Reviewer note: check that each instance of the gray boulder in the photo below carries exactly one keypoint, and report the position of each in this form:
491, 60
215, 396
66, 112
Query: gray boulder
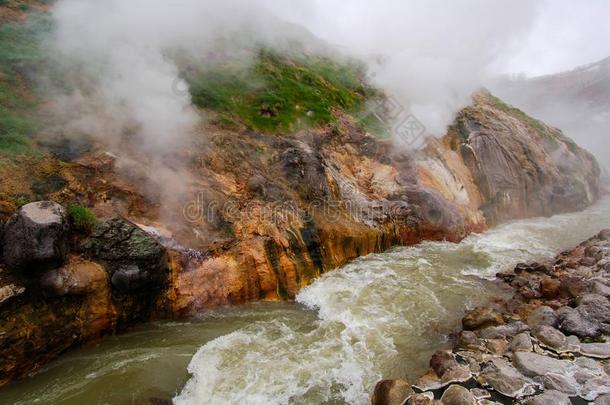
573, 322
603, 400
534, 365
35, 236
595, 307
499, 374
542, 316
550, 336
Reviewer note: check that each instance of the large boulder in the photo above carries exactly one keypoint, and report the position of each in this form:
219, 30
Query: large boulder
133, 258
36, 236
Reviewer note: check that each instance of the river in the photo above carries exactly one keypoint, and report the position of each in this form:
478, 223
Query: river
381, 315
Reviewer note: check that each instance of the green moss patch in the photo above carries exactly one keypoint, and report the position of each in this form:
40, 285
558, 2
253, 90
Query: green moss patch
20, 56
81, 218
280, 93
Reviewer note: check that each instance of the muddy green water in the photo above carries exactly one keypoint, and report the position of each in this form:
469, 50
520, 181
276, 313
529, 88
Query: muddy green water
381, 315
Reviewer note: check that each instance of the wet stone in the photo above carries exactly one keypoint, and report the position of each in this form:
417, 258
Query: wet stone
441, 361
543, 315
572, 322
424, 398
559, 382
502, 331
550, 336
533, 364
596, 350
480, 393
505, 379
521, 342
391, 392
497, 346
468, 339
549, 398
481, 318
458, 395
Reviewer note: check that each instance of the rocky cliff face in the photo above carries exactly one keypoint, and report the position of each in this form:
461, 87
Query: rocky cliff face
263, 215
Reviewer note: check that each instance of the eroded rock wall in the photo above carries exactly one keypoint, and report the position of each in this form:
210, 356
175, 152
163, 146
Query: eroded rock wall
261, 216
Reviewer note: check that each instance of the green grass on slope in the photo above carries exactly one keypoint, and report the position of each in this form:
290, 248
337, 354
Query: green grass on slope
279, 93
520, 115
20, 57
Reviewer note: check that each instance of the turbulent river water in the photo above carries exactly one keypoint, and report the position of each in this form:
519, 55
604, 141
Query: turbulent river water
381, 315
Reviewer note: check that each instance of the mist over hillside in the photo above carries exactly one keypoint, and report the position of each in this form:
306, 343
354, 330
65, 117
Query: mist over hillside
577, 101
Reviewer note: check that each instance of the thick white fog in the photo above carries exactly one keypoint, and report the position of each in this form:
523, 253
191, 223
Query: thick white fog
430, 55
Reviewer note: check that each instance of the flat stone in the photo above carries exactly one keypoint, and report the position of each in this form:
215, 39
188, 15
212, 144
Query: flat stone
502, 331
604, 234
558, 382
595, 350
504, 378
480, 393
456, 375
533, 364
549, 398
10, 291
543, 315
497, 346
550, 336
424, 398
602, 400
458, 395
521, 343
391, 392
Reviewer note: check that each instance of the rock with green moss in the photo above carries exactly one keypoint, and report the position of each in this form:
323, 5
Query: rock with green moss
133, 258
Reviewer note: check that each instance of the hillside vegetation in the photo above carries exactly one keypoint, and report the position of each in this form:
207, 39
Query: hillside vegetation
280, 93
20, 58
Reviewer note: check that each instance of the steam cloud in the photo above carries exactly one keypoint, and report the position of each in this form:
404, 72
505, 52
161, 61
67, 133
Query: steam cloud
431, 55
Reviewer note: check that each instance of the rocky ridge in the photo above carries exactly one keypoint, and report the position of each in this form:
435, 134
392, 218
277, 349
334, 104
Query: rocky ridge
546, 345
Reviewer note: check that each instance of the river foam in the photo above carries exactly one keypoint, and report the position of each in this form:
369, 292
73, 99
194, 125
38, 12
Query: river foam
381, 315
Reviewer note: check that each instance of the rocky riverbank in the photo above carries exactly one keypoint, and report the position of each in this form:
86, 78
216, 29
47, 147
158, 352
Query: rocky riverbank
547, 345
